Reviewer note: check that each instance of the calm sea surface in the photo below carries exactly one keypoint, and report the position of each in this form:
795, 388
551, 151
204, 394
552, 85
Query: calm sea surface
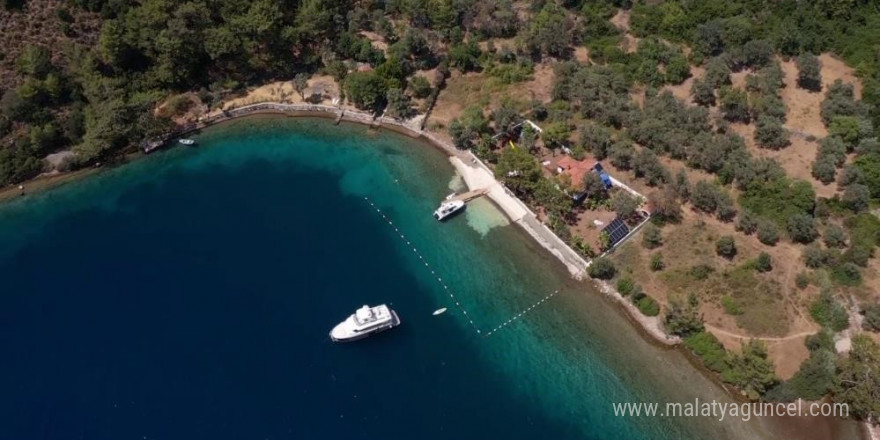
189, 296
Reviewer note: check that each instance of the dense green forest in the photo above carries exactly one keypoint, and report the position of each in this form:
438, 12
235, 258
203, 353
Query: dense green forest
99, 99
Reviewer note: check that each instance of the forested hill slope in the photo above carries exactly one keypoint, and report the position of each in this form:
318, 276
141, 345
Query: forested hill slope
84, 74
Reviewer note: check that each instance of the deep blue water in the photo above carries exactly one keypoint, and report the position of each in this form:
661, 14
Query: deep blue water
189, 296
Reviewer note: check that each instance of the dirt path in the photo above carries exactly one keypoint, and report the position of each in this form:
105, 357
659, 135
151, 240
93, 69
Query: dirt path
738, 336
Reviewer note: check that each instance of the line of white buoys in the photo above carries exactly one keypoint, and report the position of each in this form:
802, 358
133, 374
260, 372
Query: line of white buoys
419, 254
520, 314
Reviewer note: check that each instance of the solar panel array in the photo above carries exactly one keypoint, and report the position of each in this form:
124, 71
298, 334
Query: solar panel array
616, 230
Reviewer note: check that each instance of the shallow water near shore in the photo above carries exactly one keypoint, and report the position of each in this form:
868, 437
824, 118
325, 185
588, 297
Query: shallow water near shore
189, 295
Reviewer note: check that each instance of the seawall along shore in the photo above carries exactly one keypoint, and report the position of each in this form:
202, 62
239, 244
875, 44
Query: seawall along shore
476, 175
474, 172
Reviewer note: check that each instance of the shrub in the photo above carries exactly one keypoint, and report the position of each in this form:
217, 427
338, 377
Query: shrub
624, 204
764, 263
707, 347
768, 233
596, 139
621, 154
726, 247
625, 285
816, 375
665, 204
651, 237
717, 72
602, 268
735, 105
802, 280
847, 274
769, 133
750, 370
809, 72
828, 312
701, 271
705, 196
726, 211
684, 319
746, 223
834, 236
420, 87
648, 306
814, 257
824, 169
802, 228
731, 306
872, 317
857, 197
657, 263
703, 93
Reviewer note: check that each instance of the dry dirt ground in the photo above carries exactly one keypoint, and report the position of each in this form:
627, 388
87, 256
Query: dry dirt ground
628, 43
376, 40
475, 88
283, 91
772, 306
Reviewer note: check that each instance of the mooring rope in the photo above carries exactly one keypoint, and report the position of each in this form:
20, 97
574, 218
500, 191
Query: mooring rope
446, 287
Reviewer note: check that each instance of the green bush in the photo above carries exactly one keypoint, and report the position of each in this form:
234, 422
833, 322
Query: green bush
648, 306
872, 317
657, 263
768, 233
814, 256
751, 370
834, 236
847, 274
816, 376
802, 280
701, 271
684, 319
828, 312
731, 306
651, 237
802, 228
602, 268
625, 285
420, 87
764, 263
707, 347
726, 247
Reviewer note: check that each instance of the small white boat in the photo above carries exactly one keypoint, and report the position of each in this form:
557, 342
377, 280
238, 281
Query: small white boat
187, 141
448, 208
439, 311
364, 322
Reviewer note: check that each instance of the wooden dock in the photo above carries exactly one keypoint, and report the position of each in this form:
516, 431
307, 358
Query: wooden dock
470, 195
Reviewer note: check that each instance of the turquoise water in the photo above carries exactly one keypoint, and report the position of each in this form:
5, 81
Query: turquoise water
189, 295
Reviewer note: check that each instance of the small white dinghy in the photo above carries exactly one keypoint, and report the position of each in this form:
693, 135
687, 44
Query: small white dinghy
439, 311
187, 141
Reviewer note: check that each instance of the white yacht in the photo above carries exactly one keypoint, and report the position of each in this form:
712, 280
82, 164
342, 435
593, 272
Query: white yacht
448, 208
364, 322
187, 141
